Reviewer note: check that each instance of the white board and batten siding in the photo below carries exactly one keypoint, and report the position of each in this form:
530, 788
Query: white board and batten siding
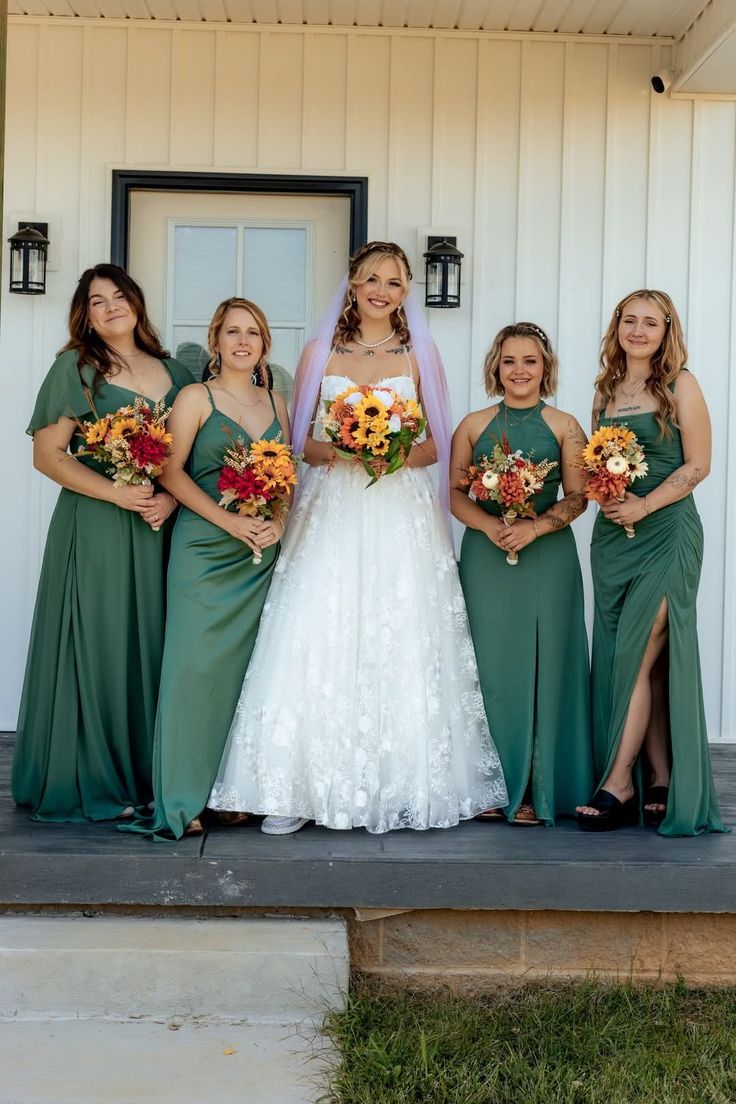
565, 180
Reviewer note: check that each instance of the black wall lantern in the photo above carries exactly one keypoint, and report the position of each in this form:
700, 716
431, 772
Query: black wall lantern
28, 249
443, 260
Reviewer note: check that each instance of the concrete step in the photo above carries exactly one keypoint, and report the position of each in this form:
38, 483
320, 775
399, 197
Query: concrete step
219, 970
83, 1062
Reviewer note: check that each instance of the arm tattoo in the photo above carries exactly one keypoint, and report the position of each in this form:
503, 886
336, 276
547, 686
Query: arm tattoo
679, 479
565, 511
575, 435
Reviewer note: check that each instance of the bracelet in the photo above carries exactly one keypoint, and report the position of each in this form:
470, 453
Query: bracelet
536, 528
646, 505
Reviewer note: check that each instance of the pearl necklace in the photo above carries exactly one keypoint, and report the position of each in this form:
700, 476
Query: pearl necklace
370, 347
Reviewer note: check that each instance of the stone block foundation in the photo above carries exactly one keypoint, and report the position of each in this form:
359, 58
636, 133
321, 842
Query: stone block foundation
471, 951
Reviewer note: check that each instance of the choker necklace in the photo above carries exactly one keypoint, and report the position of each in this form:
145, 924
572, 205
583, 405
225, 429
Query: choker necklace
369, 347
237, 400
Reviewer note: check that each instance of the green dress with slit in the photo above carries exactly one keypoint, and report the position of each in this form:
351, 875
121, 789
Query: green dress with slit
528, 628
85, 728
630, 579
215, 597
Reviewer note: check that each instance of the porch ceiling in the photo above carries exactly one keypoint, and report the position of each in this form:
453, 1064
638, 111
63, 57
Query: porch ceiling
657, 18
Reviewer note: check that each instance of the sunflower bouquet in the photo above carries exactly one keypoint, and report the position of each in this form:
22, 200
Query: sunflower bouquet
132, 443
509, 479
374, 426
612, 459
256, 479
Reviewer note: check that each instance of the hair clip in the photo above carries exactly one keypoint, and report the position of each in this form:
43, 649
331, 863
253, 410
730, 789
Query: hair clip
540, 333
667, 318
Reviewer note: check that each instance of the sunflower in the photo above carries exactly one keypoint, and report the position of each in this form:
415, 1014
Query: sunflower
604, 441
370, 408
158, 433
378, 445
268, 451
96, 432
123, 427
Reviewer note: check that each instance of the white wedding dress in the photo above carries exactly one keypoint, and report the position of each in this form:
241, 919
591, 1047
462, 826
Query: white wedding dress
361, 705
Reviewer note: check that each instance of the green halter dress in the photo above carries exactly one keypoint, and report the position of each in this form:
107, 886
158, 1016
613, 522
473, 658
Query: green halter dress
528, 629
630, 579
215, 598
85, 730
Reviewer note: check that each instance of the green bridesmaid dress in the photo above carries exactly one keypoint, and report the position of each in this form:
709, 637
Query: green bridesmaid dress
630, 580
215, 597
85, 729
528, 628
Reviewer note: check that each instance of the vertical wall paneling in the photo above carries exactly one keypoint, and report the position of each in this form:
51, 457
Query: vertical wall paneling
192, 97
709, 346
148, 129
410, 137
728, 459
367, 122
453, 198
237, 64
496, 204
627, 172
323, 103
280, 101
540, 182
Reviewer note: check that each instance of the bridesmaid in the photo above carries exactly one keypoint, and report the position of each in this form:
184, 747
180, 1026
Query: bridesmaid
85, 730
215, 591
651, 745
527, 621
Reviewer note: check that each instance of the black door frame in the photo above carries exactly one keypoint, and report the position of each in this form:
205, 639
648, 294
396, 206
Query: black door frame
124, 181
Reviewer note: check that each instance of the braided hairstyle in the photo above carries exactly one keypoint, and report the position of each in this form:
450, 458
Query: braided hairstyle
492, 362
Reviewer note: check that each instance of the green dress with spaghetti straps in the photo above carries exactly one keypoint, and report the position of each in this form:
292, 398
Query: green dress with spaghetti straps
215, 597
85, 729
528, 628
630, 579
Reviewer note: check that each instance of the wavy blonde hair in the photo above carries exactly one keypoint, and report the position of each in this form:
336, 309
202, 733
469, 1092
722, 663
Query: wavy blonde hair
362, 265
550, 363
666, 365
261, 375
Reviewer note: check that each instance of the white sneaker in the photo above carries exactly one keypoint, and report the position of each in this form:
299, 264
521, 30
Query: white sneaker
283, 825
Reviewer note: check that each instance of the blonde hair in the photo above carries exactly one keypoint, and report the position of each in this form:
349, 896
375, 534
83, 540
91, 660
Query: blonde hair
362, 265
550, 363
213, 333
666, 365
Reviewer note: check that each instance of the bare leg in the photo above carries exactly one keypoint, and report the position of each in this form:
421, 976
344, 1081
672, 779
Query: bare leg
656, 743
619, 781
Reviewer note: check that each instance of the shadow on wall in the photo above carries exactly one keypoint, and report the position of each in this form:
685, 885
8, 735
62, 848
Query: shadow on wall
196, 359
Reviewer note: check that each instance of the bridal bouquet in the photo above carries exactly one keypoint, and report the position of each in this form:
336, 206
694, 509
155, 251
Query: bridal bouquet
613, 459
132, 443
374, 426
256, 479
509, 479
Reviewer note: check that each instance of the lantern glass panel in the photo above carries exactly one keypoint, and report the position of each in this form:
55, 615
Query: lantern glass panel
36, 266
16, 266
434, 279
453, 280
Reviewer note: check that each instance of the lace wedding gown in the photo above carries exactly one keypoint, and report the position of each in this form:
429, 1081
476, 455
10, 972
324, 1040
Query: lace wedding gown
361, 705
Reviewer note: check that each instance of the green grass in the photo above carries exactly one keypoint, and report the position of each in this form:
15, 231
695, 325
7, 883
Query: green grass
589, 1044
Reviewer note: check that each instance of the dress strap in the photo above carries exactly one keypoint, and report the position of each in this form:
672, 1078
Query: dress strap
213, 404
273, 404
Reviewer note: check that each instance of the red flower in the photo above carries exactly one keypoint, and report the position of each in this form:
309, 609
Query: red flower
146, 452
602, 486
245, 484
511, 488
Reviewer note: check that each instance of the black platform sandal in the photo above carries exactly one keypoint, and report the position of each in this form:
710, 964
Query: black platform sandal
655, 795
612, 813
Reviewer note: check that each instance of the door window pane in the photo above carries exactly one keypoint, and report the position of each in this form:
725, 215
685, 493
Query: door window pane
205, 269
190, 347
274, 272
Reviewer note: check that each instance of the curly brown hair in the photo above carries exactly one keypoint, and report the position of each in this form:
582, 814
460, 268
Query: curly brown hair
666, 365
492, 362
88, 345
261, 373
362, 265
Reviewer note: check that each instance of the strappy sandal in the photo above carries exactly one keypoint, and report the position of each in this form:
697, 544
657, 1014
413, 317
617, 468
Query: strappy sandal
526, 815
194, 827
491, 814
612, 813
655, 795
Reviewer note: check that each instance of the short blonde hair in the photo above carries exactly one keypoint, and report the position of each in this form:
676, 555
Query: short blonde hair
550, 363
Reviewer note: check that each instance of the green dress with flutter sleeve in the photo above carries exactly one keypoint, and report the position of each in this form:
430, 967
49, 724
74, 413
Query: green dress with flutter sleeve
528, 628
631, 578
85, 727
215, 597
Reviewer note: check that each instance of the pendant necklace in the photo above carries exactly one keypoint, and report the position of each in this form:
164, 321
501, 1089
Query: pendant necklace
369, 348
246, 406
516, 419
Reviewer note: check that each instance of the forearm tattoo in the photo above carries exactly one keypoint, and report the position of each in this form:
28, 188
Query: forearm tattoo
575, 435
564, 512
680, 479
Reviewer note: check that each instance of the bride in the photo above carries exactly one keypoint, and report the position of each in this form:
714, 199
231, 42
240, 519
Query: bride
361, 705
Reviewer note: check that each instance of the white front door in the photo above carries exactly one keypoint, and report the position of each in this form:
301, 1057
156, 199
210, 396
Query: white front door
191, 250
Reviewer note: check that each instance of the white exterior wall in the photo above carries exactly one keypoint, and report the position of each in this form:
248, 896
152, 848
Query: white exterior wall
566, 181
